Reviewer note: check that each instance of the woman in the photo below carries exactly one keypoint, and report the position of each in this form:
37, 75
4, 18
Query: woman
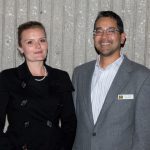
36, 98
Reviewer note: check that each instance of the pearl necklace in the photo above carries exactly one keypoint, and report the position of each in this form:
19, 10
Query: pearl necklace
45, 75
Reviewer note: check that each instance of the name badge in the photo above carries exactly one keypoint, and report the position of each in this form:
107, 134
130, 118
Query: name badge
125, 96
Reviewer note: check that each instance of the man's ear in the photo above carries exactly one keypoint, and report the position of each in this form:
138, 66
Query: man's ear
123, 39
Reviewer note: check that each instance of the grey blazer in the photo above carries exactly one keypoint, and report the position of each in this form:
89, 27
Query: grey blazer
124, 121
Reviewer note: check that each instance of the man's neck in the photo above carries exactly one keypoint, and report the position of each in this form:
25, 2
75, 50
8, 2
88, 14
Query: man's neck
107, 60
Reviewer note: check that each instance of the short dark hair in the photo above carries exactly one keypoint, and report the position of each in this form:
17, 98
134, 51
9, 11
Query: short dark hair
29, 25
112, 15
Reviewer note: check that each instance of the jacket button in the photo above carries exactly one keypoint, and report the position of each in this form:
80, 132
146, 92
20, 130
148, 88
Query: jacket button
94, 134
23, 84
24, 102
24, 147
26, 124
49, 123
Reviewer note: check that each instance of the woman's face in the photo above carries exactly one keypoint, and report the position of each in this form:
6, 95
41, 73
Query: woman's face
34, 44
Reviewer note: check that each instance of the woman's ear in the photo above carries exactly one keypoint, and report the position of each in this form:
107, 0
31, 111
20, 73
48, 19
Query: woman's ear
20, 50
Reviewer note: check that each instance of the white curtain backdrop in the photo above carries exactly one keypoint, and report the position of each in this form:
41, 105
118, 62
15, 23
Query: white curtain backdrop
69, 25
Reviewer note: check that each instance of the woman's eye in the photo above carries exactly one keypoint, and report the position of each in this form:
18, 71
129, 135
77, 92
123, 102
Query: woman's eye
43, 40
29, 42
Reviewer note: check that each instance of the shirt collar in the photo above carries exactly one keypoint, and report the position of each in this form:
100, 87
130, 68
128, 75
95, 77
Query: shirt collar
116, 63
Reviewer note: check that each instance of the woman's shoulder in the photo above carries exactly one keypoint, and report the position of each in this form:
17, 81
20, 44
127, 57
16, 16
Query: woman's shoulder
7, 76
8, 72
57, 73
60, 78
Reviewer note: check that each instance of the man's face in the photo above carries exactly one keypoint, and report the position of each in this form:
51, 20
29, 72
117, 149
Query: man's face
107, 38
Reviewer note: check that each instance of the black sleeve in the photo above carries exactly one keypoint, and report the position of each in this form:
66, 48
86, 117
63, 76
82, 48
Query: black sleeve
68, 117
4, 97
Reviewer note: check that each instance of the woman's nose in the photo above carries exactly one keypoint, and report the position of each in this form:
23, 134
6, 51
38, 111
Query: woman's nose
37, 44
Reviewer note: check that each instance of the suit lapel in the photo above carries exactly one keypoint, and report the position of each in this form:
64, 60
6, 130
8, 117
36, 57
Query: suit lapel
87, 90
119, 82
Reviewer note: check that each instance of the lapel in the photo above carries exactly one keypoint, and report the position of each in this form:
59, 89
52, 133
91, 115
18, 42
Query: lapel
121, 79
55, 83
24, 74
86, 86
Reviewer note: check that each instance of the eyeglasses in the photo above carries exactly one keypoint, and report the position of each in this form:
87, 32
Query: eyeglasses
109, 31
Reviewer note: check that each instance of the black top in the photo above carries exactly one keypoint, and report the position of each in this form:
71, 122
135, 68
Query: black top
35, 110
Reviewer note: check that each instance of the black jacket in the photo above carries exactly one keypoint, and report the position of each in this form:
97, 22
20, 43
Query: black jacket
34, 110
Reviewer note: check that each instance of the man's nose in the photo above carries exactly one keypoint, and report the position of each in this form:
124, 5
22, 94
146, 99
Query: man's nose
104, 34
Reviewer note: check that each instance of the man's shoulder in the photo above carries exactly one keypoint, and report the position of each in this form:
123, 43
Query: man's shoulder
137, 69
85, 66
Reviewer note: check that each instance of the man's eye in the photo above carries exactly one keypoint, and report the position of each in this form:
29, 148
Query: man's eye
99, 31
111, 31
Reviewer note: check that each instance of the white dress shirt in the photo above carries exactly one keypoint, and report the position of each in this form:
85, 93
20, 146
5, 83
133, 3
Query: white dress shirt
101, 82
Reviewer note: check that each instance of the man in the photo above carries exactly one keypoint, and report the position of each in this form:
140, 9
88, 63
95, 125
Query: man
112, 94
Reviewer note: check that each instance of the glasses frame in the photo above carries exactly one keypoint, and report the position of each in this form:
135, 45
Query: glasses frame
109, 31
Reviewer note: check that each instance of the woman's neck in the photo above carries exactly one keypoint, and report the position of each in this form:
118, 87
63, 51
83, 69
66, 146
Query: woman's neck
37, 69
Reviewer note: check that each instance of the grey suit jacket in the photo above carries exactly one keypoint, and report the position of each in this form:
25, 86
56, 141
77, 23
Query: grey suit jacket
124, 121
